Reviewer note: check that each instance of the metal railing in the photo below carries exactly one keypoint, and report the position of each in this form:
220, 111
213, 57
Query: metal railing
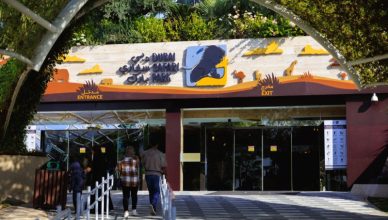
62, 214
82, 208
166, 198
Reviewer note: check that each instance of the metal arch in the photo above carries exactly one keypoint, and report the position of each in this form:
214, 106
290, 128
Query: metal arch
49, 39
368, 60
42, 50
23, 9
17, 56
314, 34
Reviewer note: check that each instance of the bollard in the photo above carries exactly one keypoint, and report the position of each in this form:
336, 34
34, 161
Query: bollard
78, 208
88, 204
102, 197
107, 194
96, 201
173, 217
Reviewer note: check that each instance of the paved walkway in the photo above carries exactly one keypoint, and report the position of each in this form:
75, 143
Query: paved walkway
22, 213
257, 205
238, 205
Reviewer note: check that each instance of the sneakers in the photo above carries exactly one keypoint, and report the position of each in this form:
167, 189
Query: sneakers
126, 214
134, 212
152, 210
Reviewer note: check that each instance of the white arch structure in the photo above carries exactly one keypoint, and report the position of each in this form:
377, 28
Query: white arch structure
69, 12
54, 30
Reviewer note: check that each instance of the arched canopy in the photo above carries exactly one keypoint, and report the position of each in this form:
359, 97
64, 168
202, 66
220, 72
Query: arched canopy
69, 11
356, 60
42, 22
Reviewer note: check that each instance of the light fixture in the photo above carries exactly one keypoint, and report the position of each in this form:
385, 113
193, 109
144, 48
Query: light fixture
374, 98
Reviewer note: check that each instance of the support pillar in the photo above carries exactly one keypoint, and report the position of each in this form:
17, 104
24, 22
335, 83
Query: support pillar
173, 147
367, 139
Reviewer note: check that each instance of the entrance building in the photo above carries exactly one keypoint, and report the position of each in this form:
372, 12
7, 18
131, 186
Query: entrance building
248, 114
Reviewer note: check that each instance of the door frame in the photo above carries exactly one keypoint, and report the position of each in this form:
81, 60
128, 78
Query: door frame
208, 126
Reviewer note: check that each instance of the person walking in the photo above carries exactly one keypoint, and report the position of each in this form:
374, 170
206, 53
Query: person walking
77, 179
100, 169
129, 175
155, 165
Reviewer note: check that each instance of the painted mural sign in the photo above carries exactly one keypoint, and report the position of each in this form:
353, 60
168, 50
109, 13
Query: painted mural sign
335, 144
198, 69
161, 65
89, 91
206, 66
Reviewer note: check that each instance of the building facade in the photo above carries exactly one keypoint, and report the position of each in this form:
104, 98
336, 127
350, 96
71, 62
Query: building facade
243, 114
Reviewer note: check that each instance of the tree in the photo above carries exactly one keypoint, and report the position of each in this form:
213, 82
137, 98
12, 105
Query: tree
21, 35
359, 29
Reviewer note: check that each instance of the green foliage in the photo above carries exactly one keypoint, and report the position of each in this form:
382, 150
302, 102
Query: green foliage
124, 10
192, 27
78, 39
210, 19
148, 29
19, 33
24, 41
359, 29
256, 24
27, 101
9, 74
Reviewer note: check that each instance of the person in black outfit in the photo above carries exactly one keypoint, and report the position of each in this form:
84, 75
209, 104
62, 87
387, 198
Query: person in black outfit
100, 168
77, 179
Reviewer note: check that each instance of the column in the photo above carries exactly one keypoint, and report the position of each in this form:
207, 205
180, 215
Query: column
173, 147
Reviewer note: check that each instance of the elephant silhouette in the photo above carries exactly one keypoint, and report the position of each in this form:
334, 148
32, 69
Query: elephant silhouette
207, 65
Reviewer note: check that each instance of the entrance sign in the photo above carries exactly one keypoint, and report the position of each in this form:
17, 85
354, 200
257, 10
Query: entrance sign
199, 69
206, 66
335, 144
152, 69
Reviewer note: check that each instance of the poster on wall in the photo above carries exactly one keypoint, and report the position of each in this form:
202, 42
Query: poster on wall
335, 144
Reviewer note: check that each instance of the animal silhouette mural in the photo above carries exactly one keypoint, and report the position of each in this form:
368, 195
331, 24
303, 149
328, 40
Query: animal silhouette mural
61, 76
257, 75
72, 59
333, 63
239, 75
106, 82
309, 50
96, 69
206, 65
3, 59
290, 69
272, 48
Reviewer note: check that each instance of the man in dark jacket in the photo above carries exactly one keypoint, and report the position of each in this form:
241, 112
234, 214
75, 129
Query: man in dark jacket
77, 177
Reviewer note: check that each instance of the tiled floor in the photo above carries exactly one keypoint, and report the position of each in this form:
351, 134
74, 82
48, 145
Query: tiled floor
254, 205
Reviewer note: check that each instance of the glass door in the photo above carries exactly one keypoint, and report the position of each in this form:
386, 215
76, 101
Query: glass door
277, 158
270, 158
248, 159
219, 153
305, 158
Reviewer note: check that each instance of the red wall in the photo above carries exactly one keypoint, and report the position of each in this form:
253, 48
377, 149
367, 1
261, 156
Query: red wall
367, 137
173, 148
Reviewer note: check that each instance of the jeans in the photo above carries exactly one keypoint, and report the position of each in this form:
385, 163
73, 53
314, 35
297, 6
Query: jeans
75, 199
153, 189
129, 192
